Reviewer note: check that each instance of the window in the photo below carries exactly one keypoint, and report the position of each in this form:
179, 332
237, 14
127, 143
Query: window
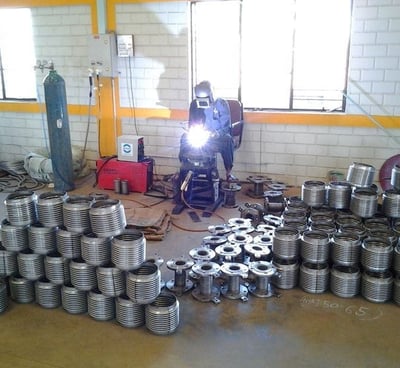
273, 54
17, 57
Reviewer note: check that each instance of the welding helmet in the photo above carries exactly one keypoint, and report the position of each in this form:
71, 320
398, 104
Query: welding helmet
203, 94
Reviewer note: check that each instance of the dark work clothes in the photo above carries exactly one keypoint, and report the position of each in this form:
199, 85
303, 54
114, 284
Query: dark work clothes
216, 119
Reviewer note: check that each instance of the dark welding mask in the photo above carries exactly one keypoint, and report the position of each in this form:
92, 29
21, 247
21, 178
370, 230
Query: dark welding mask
204, 95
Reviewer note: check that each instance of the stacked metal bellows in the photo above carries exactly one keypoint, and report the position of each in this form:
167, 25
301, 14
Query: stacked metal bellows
77, 252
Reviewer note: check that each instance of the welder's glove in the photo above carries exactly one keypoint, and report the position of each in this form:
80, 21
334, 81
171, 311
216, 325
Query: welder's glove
215, 134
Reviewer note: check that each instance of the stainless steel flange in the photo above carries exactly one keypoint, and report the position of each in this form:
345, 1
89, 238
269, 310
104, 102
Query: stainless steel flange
262, 272
243, 229
258, 251
180, 284
206, 291
222, 229
239, 221
266, 229
228, 252
214, 241
240, 238
233, 289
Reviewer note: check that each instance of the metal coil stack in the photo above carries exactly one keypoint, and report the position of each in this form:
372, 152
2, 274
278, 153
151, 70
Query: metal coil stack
128, 250
47, 294
143, 284
57, 268
42, 239
313, 193
100, 307
128, 313
107, 218
162, 315
50, 208
345, 281
73, 301
314, 277
60, 251
76, 213
14, 238
8, 262
360, 174
21, 208
3, 296
22, 290
339, 194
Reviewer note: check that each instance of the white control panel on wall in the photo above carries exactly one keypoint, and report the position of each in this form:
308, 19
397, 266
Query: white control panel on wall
103, 54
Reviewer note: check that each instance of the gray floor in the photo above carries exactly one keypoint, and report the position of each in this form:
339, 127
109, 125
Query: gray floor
296, 330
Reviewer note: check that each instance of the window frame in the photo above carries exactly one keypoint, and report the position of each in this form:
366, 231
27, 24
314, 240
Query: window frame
291, 91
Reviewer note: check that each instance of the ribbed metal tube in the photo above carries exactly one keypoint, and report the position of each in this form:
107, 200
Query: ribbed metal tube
95, 250
47, 294
396, 290
100, 307
287, 276
110, 280
128, 250
8, 262
14, 238
391, 203
348, 219
315, 247
57, 268
286, 243
76, 213
360, 174
83, 275
313, 193
42, 240
162, 315
22, 290
107, 218
339, 194
345, 281
3, 296
50, 208
143, 284
68, 243
395, 177
346, 248
21, 208
73, 301
128, 313
376, 254
364, 203
30, 265
396, 259
314, 278
377, 286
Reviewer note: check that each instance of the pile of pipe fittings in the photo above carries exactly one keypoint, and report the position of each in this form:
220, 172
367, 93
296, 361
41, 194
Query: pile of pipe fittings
78, 252
348, 240
230, 262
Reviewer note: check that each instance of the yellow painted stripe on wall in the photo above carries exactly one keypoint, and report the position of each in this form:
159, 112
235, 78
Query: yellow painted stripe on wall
44, 3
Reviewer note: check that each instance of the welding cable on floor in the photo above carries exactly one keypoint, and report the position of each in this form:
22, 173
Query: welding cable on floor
101, 168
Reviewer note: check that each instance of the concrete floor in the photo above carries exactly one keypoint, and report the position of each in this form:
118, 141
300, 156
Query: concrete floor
296, 330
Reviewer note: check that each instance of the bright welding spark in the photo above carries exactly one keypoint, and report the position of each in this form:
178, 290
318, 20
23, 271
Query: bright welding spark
198, 136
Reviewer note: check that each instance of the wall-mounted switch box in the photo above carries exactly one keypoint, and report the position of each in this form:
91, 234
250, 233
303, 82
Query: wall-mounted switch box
103, 54
125, 45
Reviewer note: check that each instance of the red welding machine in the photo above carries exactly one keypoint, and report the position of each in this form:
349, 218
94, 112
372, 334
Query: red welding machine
138, 174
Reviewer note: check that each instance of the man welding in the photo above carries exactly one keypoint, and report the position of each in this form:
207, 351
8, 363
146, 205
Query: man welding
209, 128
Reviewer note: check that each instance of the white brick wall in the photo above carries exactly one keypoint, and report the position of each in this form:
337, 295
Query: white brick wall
158, 77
